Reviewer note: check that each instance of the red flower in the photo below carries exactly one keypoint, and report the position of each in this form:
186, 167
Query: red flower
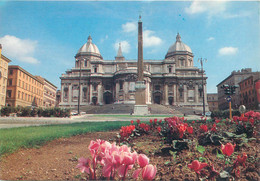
217, 121
204, 127
214, 128
132, 122
159, 129
155, 121
193, 122
181, 128
251, 120
138, 121
190, 130
197, 166
151, 121
160, 121
228, 149
240, 160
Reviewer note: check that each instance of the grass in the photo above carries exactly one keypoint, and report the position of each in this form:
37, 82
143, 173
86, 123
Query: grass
134, 116
27, 137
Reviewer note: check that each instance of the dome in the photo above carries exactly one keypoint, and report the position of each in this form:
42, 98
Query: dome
178, 47
89, 48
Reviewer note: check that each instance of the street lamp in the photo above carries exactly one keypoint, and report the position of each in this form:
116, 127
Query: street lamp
79, 60
202, 72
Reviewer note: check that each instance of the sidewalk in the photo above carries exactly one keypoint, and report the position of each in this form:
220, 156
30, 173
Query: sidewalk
12, 122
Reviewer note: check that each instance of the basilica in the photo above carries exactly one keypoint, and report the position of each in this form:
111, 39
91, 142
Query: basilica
171, 81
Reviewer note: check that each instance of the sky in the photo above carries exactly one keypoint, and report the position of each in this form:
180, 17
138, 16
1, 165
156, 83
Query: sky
44, 36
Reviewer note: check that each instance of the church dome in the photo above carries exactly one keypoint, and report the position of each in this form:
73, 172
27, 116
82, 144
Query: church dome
89, 48
178, 47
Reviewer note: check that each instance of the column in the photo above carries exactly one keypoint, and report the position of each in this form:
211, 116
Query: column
174, 93
166, 94
90, 93
117, 91
70, 94
100, 95
196, 93
185, 93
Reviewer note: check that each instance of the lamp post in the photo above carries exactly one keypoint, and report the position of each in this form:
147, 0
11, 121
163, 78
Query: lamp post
79, 60
202, 72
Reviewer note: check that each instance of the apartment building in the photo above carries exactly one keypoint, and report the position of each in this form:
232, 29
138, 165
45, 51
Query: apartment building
23, 89
3, 77
49, 93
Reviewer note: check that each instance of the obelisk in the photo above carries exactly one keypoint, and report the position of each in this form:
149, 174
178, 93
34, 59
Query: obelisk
140, 107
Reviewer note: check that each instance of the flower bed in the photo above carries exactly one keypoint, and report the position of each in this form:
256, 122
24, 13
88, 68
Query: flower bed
220, 149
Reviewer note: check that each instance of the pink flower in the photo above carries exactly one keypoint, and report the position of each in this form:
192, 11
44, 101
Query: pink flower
197, 166
142, 160
84, 165
228, 149
149, 172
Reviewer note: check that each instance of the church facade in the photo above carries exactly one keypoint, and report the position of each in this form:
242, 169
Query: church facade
171, 81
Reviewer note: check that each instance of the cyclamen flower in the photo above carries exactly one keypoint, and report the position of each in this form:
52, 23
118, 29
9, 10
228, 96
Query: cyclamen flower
149, 172
240, 160
159, 129
204, 127
84, 165
142, 160
155, 121
197, 166
138, 121
228, 149
190, 130
214, 128
132, 122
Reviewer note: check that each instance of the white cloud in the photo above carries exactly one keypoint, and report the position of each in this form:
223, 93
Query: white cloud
19, 49
210, 38
151, 40
129, 27
210, 7
125, 46
228, 51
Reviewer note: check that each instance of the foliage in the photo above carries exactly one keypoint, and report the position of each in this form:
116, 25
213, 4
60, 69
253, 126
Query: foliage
224, 114
33, 111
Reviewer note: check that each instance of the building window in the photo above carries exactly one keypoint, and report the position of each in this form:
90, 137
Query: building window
170, 70
157, 87
19, 95
95, 69
86, 63
10, 81
121, 85
9, 93
95, 87
11, 72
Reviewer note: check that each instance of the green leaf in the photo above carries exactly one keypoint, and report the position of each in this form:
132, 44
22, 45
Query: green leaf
201, 159
220, 156
167, 163
200, 149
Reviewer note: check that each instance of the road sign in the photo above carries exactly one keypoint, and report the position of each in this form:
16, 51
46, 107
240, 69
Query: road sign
228, 98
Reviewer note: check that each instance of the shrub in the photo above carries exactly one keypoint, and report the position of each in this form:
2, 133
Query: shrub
25, 111
5, 111
224, 114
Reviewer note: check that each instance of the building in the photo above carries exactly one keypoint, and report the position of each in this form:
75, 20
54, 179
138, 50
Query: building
233, 79
248, 92
49, 93
23, 89
212, 99
3, 77
58, 98
171, 81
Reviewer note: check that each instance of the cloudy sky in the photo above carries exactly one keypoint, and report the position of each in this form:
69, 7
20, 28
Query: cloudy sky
43, 37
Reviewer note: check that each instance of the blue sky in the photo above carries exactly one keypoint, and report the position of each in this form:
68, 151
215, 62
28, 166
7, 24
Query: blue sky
43, 37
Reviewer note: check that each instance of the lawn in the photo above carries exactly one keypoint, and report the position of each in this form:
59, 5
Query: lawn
26, 137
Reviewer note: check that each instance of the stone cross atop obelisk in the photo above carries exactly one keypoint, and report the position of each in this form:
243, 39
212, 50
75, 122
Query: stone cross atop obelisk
140, 98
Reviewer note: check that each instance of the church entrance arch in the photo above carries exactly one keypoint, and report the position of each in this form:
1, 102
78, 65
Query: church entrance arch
94, 100
157, 97
170, 99
108, 97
